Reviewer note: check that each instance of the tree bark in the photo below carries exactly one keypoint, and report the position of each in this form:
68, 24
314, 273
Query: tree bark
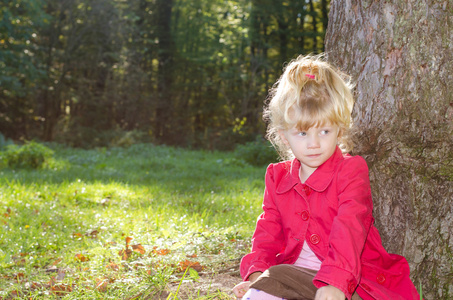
314, 23
400, 54
163, 120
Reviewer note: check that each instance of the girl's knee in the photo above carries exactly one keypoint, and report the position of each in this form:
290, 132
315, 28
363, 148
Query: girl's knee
254, 294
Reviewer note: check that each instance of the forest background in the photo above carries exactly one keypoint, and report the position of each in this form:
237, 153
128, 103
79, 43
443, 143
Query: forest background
186, 73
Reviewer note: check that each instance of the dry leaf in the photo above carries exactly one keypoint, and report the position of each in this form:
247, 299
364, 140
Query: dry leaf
101, 285
128, 240
161, 251
183, 265
125, 254
112, 266
77, 235
61, 289
139, 248
93, 234
36, 285
81, 258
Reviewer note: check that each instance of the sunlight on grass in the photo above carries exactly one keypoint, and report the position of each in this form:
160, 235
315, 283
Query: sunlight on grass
64, 228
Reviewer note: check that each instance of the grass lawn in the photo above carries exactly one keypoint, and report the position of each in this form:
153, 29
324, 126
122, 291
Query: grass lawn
125, 223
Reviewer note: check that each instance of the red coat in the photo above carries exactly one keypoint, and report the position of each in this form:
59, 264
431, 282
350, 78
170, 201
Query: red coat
332, 211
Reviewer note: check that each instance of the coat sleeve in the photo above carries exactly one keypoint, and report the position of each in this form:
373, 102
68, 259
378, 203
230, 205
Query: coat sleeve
268, 239
342, 265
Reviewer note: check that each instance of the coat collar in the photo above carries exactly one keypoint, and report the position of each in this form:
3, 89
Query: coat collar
318, 181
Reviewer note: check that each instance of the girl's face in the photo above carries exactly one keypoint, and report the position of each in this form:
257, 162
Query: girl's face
311, 147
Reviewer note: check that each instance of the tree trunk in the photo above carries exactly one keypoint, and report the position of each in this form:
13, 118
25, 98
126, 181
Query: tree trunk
163, 121
325, 18
314, 23
400, 54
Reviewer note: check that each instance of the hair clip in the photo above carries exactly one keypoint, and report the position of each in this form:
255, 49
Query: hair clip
310, 76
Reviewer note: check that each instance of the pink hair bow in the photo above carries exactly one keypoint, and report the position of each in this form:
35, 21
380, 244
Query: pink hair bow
310, 76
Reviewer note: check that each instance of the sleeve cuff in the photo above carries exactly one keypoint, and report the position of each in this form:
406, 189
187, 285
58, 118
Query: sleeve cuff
257, 267
337, 277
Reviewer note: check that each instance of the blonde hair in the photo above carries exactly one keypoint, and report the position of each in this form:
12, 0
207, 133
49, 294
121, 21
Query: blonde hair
310, 93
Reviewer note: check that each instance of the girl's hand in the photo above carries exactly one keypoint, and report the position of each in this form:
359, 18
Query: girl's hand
329, 292
242, 288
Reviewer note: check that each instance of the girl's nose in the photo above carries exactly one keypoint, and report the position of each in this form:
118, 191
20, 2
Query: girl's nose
313, 142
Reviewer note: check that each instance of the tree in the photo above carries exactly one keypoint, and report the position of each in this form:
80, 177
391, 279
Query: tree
20, 70
400, 54
166, 57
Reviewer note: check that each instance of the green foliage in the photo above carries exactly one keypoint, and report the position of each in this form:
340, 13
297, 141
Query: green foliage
88, 137
31, 155
66, 76
257, 153
4, 141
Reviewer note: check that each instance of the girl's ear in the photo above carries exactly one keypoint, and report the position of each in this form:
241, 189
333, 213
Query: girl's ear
283, 137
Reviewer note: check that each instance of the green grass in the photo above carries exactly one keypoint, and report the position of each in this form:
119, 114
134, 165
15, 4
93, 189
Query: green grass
63, 226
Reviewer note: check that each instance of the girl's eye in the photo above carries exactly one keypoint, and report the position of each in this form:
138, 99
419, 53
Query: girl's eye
302, 133
324, 132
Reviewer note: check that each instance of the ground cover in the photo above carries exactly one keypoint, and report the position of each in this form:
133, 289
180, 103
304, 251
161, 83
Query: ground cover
126, 223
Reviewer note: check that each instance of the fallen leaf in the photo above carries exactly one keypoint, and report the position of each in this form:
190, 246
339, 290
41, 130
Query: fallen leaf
161, 251
139, 248
61, 289
77, 235
112, 266
81, 258
192, 256
93, 234
109, 243
101, 285
19, 276
128, 240
36, 285
183, 265
125, 254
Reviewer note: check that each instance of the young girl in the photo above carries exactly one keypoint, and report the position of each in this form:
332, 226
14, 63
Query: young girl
316, 238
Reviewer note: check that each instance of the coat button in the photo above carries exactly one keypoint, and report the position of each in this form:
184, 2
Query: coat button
307, 190
351, 287
380, 278
315, 239
304, 215
365, 287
